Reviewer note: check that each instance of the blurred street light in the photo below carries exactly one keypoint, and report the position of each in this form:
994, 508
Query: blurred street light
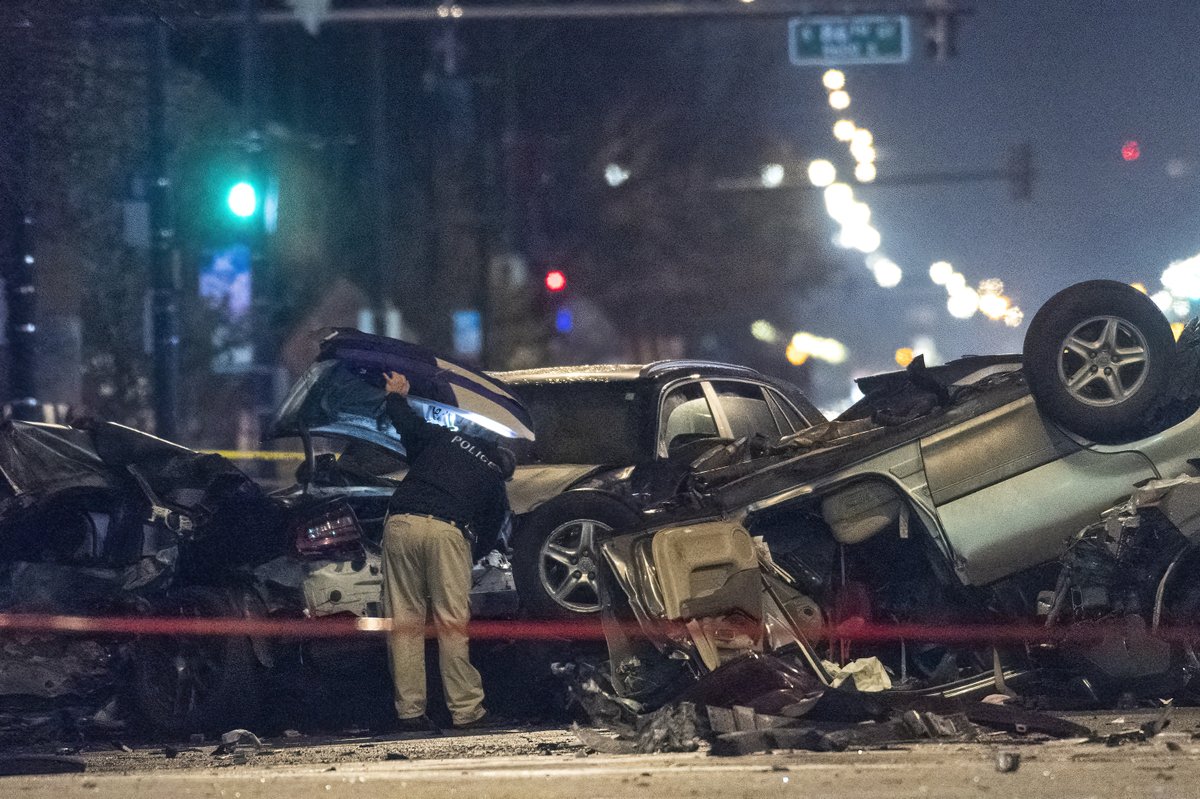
615, 175
823, 349
838, 198
834, 79
993, 306
772, 175
764, 331
839, 100
843, 130
963, 303
887, 273
940, 272
1182, 278
864, 172
821, 173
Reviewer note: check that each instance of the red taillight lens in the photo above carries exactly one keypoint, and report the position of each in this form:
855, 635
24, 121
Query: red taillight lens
327, 529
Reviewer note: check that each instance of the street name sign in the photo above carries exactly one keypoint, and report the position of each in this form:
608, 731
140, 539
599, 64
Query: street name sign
856, 39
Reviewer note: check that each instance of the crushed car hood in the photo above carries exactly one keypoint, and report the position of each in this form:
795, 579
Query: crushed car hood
533, 485
342, 393
42, 458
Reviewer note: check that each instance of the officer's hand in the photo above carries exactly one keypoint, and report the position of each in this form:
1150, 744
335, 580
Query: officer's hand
396, 383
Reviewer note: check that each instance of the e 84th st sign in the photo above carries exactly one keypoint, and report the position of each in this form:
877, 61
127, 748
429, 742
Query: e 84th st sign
832, 41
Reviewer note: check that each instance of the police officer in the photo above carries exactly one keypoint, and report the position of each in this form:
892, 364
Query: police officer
453, 497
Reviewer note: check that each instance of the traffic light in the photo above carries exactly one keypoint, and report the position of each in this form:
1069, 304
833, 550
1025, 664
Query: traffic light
242, 199
555, 280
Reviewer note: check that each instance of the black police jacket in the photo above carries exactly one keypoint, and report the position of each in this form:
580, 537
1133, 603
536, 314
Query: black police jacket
452, 476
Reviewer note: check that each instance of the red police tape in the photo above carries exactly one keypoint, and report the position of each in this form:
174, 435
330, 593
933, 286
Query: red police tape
583, 630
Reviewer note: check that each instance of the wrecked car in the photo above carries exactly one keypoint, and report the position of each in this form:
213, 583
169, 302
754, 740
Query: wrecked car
312, 550
610, 440
101, 519
944, 499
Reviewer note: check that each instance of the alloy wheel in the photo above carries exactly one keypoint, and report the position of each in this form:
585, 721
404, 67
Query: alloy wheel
1103, 361
569, 563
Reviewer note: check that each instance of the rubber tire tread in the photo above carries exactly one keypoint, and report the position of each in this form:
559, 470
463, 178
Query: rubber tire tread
236, 700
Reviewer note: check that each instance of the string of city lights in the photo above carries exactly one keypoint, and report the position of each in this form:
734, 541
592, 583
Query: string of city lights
856, 232
1176, 299
962, 301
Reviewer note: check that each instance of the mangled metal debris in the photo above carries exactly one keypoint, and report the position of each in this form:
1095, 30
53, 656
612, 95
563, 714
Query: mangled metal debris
694, 605
757, 703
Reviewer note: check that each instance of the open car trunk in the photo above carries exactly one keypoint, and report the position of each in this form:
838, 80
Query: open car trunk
342, 393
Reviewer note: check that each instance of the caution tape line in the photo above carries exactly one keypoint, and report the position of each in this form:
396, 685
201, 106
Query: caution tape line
330, 627
535, 630
255, 455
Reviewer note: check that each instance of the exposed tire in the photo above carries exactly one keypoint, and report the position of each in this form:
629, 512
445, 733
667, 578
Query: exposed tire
1098, 356
187, 685
556, 560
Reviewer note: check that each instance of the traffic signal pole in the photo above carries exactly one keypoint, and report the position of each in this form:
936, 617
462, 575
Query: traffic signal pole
16, 214
164, 267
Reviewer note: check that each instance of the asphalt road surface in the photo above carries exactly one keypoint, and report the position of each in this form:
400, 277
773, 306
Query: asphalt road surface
551, 763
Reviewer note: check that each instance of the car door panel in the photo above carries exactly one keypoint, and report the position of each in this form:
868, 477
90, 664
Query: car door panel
989, 449
1028, 518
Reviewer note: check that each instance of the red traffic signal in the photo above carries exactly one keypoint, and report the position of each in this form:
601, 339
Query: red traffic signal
555, 280
1131, 150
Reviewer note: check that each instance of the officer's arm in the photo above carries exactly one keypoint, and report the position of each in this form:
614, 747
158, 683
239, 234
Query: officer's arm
415, 432
489, 522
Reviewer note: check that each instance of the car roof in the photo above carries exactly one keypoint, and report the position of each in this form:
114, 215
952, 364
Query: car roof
607, 372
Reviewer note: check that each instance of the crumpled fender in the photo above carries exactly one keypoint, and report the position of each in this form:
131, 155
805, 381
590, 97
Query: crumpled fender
532, 486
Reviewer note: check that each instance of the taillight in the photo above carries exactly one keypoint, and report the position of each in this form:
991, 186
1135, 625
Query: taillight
328, 528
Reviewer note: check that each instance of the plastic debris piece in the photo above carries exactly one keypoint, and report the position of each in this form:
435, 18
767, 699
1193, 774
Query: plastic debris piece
868, 674
238, 740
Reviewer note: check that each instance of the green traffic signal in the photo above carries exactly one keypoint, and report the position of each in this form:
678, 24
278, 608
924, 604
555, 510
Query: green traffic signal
242, 199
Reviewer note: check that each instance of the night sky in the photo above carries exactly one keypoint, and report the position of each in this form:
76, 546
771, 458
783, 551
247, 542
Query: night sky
1076, 80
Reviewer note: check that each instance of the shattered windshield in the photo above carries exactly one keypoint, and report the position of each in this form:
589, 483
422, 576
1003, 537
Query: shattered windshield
584, 422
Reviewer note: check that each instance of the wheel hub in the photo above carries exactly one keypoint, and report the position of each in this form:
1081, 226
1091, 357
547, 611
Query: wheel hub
568, 565
1103, 361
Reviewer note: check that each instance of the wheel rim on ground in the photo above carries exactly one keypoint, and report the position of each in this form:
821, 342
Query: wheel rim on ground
569, 562
1102, 361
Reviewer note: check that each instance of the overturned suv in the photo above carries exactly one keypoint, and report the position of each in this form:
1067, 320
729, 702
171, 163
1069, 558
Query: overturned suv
944, 499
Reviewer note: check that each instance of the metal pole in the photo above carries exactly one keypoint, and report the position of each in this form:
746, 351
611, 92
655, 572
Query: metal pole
164, 271
379, 158
262, 278
19, 284
583, 11
21, 294
250, 66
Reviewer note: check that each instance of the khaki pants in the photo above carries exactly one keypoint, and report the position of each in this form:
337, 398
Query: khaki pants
427, 562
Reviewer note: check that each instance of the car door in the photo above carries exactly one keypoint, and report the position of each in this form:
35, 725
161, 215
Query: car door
1010, 488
